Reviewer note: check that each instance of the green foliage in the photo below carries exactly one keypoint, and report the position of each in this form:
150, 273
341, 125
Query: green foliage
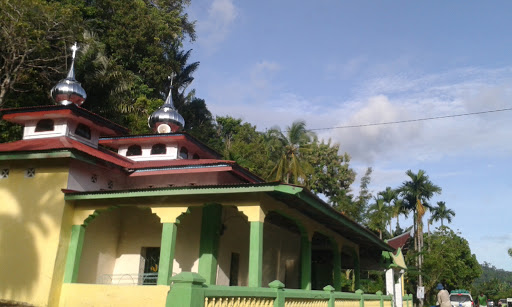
447, 260
378, 216
357, 209
34, 38
374, 281
291, 166
331, 175
441, 213
243, 144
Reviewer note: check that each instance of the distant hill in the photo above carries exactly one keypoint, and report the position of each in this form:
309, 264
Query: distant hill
490, 272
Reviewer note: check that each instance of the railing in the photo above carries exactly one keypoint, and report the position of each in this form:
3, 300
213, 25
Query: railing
188, 289
128, 279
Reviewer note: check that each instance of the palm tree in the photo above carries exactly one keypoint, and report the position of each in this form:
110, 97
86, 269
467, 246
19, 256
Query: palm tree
390, 197
419, 189
183, 77
442, 213
290, 166
379, 215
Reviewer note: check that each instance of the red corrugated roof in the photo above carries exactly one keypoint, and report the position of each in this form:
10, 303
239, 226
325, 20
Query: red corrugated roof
399, 241
48, 144
62, 143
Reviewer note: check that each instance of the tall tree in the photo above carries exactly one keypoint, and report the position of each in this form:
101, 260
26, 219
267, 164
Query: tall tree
421, 189
378, 215
242, 143
449, 262
291, 167
35, 36
390, 197
331, 173
357, 208
441, 213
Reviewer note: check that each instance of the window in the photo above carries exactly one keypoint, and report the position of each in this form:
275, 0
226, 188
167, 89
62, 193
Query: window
183, 153
158, 149
134, 150
44, 125
150, 259
83, 131
196, 157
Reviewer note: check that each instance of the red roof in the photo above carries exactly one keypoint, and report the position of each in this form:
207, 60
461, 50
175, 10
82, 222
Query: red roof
155, 167
63, 142
399, 241
21, 115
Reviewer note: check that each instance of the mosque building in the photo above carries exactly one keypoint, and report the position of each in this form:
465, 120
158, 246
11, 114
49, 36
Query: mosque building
90, 214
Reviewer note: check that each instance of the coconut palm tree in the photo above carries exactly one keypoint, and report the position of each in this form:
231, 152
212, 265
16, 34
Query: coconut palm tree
419, 189
442, 213
290, 167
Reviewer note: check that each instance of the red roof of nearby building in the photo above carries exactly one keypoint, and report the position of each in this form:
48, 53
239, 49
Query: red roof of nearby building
399, 241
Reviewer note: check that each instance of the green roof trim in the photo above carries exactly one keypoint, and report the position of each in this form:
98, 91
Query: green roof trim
171, 191
37, 155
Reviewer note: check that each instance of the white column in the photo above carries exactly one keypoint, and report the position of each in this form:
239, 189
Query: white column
390, 282
398, 298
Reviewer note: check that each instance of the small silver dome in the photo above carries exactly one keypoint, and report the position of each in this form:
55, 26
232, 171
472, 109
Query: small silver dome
166, 115
69, 90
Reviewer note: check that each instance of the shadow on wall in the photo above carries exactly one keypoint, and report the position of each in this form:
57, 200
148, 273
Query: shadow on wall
28, 214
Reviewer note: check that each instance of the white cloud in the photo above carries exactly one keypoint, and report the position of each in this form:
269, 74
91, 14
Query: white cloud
215, 27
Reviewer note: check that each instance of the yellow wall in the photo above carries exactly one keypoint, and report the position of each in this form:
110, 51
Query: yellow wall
234, 239
31, 213
113, 243
186, 256
77, 295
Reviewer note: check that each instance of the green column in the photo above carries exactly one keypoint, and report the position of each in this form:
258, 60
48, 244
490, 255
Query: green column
255, 254
167, 248
74, 253
336, 266
305, 259
209, 242
187, 290
357, 271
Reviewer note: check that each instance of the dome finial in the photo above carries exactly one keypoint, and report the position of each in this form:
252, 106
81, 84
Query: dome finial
69, 90
168, 100
166, 119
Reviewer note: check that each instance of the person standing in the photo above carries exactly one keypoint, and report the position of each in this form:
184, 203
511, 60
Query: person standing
482, 300
443, 297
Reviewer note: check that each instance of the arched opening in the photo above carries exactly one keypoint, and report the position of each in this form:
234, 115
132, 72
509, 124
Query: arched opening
134, 150
322, 257
122, 247
83, 131
158, 149
233, 257
347, 269
184, 153
186, 255
196, 157
44, 125
281, 250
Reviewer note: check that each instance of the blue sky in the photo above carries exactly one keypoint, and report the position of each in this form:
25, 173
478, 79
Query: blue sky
339, 63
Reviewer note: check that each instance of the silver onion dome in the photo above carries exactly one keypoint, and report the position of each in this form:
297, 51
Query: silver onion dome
69, 90
166, 119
